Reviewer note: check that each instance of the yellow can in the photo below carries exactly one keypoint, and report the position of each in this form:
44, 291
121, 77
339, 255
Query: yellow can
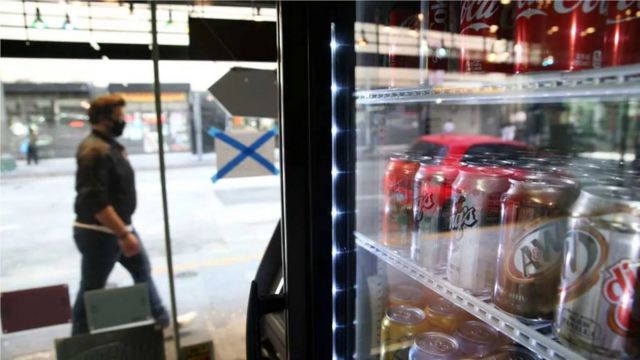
399, 327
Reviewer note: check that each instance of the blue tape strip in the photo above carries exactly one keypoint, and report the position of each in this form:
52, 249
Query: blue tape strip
245, 151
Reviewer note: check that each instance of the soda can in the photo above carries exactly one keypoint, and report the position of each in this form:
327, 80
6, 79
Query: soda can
621, 46
434, 345
397, 221
444, 316
432, 211
534, 223
559, 35
443, 18
399, 327
485, 31
408, 295
512, 352
477, 339
475, 216
599, 305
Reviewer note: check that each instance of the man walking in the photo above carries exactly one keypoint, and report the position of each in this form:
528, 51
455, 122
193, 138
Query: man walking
104, 205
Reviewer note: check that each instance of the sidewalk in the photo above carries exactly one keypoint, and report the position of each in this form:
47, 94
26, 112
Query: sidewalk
140, 162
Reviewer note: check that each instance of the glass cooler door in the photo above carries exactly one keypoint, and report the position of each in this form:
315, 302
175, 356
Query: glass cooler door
497, 196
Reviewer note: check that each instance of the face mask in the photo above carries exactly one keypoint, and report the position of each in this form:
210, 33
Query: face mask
118, 127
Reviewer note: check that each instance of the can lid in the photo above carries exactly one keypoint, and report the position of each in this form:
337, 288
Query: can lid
442, 306
509, 352
407, 315
435, 344
606, 200
478, 333
406, 293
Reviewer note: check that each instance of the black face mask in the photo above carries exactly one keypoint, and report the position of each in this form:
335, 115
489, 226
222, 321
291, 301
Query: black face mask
118, 127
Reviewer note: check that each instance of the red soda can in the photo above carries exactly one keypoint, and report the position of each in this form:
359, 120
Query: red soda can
559, 35
621, 46
397, 221
432, 211
485, 28
442, 16
475, 216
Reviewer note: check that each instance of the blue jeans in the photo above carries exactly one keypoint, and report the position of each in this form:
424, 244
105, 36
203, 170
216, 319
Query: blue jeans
100, 252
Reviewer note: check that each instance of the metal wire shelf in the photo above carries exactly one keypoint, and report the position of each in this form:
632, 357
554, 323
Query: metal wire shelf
613, 83
528, 336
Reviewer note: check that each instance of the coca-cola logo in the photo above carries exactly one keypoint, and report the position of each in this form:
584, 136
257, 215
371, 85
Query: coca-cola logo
619, 290
438, 14
476, 13
586, 251
536, 252
530, 8
463, 217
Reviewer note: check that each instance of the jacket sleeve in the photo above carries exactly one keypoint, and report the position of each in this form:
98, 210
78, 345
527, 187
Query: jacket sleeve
92, 183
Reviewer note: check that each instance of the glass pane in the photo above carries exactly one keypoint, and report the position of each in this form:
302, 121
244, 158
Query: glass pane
223, 205
498, 147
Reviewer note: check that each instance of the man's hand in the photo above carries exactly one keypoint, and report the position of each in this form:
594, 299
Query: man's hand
129, 244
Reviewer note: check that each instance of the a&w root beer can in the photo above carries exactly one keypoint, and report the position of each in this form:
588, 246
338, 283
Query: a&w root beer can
534, 223
599, 308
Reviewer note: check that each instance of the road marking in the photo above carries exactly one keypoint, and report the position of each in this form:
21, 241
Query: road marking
233, 260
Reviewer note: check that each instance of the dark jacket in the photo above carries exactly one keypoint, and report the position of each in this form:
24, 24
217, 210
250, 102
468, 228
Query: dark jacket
104, 177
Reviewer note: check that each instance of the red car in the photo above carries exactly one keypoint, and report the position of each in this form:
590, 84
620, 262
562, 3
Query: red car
453, 147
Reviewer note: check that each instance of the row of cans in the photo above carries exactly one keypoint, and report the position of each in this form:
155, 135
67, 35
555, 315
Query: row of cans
536, 35
542, 248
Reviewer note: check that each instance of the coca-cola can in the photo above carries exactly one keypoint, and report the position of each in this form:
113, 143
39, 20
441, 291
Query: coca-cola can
434, 345
442, 17
432, 211
599, 306
397, 221
559, 35
534, 223
475, 216
621, 46
486, 27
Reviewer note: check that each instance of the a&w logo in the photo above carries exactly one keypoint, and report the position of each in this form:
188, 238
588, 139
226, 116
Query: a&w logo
463, 217
619, 290
530, 8
475, 14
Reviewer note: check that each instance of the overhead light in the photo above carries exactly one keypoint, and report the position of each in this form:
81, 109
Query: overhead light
256, 15
38, 23
67, 24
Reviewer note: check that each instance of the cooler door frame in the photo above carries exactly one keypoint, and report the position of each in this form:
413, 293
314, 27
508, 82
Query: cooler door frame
306, 109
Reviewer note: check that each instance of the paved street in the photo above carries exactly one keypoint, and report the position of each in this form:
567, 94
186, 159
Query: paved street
219, 232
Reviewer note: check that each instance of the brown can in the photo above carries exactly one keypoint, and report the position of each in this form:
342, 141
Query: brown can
399, 327
398, 222
408, 295
444, 316
534, 223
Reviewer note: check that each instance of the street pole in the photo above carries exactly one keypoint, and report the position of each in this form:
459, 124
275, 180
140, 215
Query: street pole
197, 122
155, 54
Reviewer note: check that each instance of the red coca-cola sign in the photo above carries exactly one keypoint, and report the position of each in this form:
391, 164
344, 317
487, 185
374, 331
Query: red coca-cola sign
559, 35
486, 21
621, 45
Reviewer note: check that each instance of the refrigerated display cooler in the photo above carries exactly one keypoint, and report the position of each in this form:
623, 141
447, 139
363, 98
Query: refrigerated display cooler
460, 180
